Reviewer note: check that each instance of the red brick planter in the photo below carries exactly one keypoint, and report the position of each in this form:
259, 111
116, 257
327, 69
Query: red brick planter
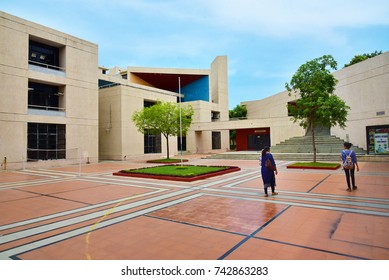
313, 167
178, 178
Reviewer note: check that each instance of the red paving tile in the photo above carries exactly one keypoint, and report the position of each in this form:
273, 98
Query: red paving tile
134, 240
234, 215
33, 207
10, 177
101, 194
209, 225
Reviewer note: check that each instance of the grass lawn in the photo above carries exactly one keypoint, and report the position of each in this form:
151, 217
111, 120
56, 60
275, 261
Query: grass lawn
314, 165
178, 170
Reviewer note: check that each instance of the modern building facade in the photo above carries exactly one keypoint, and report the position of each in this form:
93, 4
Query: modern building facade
57, 104
48, 94
363, 86
125, 91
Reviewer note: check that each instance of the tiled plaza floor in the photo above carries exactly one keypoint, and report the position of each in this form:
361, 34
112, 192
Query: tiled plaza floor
55, 214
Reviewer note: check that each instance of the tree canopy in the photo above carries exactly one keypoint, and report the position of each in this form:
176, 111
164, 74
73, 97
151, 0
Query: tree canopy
316, 104
239, 111
163, 118
361, 57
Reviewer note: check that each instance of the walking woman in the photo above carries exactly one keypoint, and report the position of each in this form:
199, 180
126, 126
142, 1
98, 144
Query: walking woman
268, 171
349, 162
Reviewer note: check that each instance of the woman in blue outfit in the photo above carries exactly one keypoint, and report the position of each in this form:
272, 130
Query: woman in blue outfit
268, 174
349, 171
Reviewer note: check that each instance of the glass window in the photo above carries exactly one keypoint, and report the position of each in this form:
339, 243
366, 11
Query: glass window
152, 144
46, 141
45, 97
43, 55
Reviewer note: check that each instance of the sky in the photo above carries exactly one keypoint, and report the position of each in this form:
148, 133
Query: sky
265, 41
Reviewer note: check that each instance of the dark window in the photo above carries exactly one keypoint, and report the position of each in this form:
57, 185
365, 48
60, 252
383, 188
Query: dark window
216, 140
41, 96
43, 55
147, 103
152, 143
183, 143
46, 141
215, 116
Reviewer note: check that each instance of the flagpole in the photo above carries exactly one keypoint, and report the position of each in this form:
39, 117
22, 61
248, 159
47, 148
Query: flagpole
179, 98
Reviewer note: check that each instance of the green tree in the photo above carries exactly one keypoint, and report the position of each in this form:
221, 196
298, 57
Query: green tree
239, 111
316, 105
362, 57
163, 118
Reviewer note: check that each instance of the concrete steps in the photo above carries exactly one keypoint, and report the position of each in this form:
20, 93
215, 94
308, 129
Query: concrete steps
328, 148
324, 145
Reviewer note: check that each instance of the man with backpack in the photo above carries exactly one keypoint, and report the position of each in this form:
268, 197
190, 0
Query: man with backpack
349, 162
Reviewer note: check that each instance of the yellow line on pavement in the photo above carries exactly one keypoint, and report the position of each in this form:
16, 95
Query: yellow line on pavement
93, 227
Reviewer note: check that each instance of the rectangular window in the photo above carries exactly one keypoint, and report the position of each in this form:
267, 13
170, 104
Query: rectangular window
215, 116
183, 143
44, 97
43, 55
46, 141
216, 140
152, 144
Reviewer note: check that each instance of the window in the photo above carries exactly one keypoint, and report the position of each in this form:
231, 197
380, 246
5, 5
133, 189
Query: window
44, 97
147, 103
43, 55
183, 143
46, 141
216, 140
215, 116
152, 143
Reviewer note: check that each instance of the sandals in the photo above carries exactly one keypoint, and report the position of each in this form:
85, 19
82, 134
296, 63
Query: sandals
349, 190
274, 193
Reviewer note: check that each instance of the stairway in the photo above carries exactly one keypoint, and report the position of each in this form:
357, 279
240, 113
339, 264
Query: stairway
324, 145
328, 148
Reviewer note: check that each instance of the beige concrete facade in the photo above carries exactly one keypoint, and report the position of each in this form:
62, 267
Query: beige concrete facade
95, 104
124, 91
75, 76
363, 86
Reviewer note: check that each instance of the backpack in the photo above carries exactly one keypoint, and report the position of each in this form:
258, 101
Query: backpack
348, 163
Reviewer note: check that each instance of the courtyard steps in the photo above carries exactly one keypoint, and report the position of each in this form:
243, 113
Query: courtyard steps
328, 148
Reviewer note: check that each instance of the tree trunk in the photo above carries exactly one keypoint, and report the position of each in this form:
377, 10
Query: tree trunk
167, 145
313, 141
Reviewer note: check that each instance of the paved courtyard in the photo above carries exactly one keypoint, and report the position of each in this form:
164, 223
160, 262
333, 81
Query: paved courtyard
55, 214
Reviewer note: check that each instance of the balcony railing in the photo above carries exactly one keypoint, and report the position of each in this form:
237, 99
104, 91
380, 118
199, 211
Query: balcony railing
48, 66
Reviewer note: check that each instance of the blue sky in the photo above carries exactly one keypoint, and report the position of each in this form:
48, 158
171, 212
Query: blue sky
265, 41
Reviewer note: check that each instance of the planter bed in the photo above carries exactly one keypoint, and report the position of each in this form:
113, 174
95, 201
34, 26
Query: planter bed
310, 165
128, 173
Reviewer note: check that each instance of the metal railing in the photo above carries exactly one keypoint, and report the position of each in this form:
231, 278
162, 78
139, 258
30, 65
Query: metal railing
46, 108
48, 66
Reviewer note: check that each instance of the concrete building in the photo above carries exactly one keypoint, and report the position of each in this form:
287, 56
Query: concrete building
48, 94
57, 105
124, 91
363, 86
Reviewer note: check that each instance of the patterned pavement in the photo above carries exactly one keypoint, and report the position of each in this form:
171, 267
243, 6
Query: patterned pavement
55, 214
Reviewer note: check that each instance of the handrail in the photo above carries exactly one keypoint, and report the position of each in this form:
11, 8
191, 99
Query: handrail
47, 108
48, 66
